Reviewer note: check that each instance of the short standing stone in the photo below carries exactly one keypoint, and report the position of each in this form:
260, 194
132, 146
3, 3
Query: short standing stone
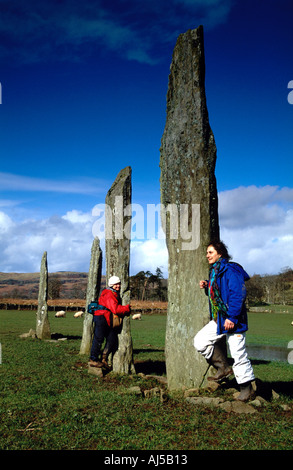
92, 293
43, 326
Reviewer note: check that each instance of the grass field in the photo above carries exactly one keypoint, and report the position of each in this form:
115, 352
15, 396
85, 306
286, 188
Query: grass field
50, 402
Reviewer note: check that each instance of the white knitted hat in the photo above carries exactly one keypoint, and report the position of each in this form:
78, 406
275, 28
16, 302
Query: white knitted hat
114, 280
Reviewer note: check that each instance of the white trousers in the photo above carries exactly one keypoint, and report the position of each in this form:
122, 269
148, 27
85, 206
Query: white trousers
204, 343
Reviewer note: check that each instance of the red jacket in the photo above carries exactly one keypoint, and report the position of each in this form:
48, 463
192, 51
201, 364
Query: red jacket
110, 299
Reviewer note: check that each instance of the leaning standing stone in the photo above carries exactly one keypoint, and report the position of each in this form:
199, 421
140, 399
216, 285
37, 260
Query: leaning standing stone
118, 233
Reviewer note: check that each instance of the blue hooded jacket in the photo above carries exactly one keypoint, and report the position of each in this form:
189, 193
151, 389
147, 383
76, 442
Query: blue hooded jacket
231, 281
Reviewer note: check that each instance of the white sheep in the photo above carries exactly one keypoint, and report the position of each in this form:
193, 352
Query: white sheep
78, 314
136, 316
292, 323
60, 314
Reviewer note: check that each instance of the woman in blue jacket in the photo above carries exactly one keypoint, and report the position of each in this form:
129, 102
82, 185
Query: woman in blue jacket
228, 316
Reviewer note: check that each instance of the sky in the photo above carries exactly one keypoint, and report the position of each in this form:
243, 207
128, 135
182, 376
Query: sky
83, 95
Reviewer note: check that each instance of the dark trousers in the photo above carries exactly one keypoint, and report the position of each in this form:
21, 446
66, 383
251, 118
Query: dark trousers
101, 331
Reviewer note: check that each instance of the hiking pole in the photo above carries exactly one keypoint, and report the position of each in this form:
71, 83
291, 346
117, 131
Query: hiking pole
203, 377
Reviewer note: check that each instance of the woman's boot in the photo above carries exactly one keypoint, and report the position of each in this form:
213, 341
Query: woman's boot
105, 361
220, 362
93, 363
246, 392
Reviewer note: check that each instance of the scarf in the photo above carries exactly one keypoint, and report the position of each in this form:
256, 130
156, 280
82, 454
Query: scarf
217, 305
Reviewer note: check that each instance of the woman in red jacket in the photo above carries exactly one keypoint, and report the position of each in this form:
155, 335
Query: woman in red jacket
111, 301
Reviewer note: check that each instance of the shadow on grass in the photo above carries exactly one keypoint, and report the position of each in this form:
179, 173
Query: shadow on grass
150, 367
155, 367
265, 387
57, 336
285, 388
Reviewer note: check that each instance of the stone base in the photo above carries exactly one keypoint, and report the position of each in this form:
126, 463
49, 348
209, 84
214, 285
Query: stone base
97, 371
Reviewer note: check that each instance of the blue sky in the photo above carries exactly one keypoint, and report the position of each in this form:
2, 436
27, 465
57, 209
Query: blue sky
84, 89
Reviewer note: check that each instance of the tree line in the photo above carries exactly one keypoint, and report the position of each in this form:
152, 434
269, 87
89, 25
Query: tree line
148, 286
266, 289
271, 289
145, 285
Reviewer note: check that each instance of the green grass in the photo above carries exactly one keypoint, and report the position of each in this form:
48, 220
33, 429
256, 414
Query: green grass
270, 329
50, 402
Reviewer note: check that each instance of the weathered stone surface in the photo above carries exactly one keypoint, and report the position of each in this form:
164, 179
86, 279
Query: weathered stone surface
208, 401
238, 407
228, 401
92, 293
43, 326
286, 407
135, 390
118, 233
98, 372
191, 392
258, 401
188, 189
160, 378
153, 392
30, 334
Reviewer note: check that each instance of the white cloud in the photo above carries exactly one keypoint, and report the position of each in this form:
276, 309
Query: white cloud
134, 30
148, 256
66, 239
256, 224
6, 223
12, 182
249, 206
78, 217
9, 203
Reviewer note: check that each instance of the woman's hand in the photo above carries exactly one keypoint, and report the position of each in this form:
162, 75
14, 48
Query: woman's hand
203, 284
228, 325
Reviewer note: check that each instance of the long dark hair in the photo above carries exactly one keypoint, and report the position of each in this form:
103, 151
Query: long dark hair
220, 248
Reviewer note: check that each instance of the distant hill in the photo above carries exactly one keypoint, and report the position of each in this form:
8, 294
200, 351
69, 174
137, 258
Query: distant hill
20, 291
26, 285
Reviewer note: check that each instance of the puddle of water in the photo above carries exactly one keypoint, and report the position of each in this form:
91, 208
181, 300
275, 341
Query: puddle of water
268, 353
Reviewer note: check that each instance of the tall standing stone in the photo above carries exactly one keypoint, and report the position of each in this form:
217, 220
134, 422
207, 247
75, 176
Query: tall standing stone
118, 234
43, 330
189, 207
92, 293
